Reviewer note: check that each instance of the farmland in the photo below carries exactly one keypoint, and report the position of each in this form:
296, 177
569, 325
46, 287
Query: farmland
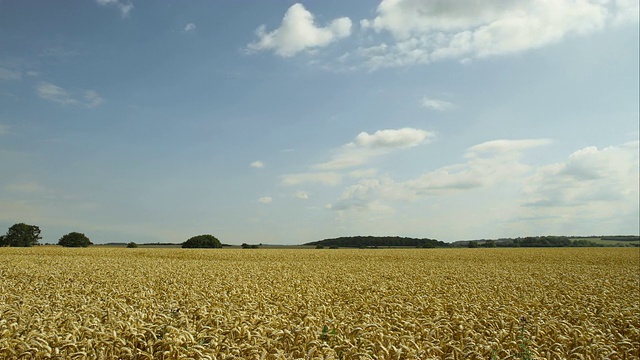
111, 303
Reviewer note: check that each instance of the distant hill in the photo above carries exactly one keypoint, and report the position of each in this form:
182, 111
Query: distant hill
620, 238
379, 241
555, 241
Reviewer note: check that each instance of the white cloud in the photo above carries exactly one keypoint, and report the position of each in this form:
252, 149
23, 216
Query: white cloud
347, 157
588, 176
326, 178
404, 18
298, 32
6, 74
427, 31
593, 189
59, 95
392, 138
360, 151
365, 196
257, 164
436, 104
124, 7
488, 164
627, 11
496, 146
303, 195
55, 93
190, 27
265, 200
367, 146
3, 129
92, 99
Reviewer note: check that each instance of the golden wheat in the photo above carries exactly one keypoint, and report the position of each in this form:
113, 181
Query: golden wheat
116, 303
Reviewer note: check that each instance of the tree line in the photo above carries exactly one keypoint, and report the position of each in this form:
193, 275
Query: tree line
25, 235
397, 241
379, 241
532, 241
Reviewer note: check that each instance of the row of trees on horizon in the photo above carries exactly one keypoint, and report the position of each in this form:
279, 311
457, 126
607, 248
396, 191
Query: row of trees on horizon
530, 241
24, 235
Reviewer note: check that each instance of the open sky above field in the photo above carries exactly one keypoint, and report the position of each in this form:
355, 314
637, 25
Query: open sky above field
283, 122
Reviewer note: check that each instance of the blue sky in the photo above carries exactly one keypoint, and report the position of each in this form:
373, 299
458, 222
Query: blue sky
283, 122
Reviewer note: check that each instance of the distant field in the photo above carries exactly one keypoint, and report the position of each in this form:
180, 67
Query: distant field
610, 242
145, 303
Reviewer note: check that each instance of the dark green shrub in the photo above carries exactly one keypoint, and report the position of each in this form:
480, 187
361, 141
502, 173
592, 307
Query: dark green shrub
202, 241
74, 239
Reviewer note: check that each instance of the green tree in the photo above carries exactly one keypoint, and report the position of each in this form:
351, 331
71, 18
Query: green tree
21, 235
489, 244
74, 239
132, 245
472, 244
202, 241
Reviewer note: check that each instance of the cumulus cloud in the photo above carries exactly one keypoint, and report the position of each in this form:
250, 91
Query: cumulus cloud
298, 32
190, 27
124, 7
436, 104
427, 31
55, 93
359, 152
265, 200
366, 196
367, 146
404, 18
392, 138
488, 164
257, 164
588, 175
627, 11
592, 188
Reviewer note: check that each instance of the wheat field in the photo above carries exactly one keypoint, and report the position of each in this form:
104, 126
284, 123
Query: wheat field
117, 303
